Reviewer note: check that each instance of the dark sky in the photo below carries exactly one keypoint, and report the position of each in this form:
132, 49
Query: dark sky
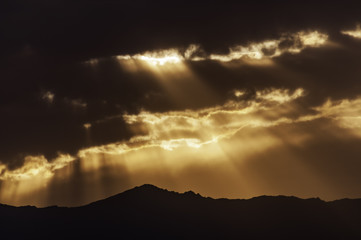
59, 71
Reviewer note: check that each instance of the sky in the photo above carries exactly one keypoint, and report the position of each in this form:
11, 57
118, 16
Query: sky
226, 98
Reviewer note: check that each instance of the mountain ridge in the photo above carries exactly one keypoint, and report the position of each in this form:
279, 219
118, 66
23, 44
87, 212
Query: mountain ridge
150, 212
186, 193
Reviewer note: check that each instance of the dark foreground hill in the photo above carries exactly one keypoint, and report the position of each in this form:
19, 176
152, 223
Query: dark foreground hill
148, 212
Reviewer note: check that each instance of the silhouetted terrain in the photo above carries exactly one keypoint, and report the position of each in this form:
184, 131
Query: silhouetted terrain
148, 212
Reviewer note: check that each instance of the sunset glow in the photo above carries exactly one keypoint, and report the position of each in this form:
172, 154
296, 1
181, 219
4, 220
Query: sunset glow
227, 99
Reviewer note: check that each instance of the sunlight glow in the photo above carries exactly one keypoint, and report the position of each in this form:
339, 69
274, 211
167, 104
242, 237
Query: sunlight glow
346, 113
165, 56
156, 58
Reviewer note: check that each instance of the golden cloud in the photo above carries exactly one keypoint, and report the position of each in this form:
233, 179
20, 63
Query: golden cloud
259, 51
165, 56
272, 48
48, 96
35, 166
356, 33
196, 128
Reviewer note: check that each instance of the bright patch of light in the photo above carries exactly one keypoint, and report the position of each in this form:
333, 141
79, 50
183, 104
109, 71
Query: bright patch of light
239, 93
312, 39
356, 33
271, 48
48, 96
280, 95
35, 166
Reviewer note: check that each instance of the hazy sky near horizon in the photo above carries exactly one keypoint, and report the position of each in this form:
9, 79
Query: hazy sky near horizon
224, 98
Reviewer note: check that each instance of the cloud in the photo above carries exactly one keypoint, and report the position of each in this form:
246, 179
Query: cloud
200, 129
171, 130
34, 167
280, 95
346, 113
288, 43
156, 58
239, 93
170, 86
356, 33
195, 128
76, 103
48, 96
164, 56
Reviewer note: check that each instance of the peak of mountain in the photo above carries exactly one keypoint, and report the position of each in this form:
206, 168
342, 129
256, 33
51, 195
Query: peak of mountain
148, 187
145, 194
150, 212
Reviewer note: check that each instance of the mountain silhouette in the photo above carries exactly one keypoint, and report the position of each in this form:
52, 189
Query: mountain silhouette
148, 212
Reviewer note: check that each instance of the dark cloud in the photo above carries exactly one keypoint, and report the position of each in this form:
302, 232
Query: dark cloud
85, 29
